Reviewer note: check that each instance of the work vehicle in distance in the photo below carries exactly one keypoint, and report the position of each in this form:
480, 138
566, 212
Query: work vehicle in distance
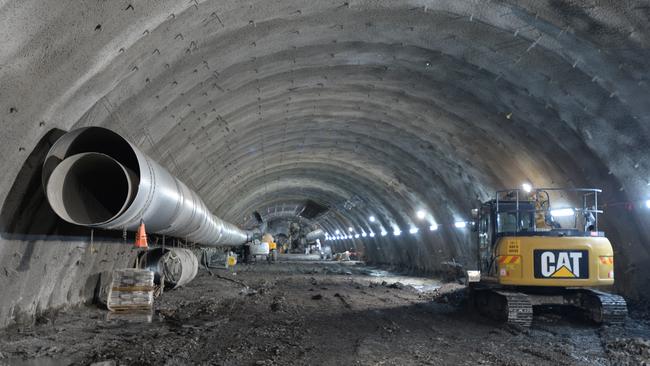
532, 251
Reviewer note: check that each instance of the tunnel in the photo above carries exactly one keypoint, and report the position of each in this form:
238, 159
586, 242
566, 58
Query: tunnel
381, 123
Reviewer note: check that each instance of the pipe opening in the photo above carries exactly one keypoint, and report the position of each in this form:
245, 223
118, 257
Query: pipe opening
105, 141
90, 189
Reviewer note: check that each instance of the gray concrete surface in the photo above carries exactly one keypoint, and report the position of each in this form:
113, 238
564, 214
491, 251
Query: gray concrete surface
392, 105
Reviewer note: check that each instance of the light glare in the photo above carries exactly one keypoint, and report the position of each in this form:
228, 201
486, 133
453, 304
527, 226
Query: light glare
371, 219
527, 187
413, 230
421, 214
460, 224
433, 227
562, 212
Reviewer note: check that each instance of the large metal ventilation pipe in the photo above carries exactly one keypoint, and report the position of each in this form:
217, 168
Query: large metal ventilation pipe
177, 266
94, 177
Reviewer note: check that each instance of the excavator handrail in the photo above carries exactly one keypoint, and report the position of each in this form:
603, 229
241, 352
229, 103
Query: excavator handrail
594, 190
523, 197
577, 210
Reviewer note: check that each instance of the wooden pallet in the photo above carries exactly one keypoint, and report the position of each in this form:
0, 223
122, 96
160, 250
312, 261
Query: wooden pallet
131, 291
131, 309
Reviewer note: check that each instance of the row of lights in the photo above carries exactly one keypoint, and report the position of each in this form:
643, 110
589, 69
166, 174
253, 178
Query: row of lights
397, 232
420, 214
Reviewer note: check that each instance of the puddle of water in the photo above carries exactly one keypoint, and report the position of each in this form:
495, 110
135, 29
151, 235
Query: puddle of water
426, 288
420, 284
378, 273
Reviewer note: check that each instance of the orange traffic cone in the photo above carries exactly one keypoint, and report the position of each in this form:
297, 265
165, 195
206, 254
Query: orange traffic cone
141, 237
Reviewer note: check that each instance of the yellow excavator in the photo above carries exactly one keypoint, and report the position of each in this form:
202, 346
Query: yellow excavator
533, 253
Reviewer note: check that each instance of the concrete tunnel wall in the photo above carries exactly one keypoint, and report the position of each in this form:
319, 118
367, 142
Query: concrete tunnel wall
389, 106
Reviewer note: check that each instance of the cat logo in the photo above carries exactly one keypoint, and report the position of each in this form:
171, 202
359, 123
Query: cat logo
564, 264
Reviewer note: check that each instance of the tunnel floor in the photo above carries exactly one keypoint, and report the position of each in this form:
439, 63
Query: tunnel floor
303, 312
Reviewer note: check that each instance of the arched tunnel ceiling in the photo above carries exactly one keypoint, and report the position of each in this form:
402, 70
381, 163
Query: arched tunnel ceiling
401, 104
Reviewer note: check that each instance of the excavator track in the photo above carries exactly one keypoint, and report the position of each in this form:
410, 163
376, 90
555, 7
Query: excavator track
604, 308
519, 309
512, 307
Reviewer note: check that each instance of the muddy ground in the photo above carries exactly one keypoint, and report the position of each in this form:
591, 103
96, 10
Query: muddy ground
317, 313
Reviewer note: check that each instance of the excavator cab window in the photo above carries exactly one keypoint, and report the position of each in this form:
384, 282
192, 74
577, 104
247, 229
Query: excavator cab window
508, 222
513, 219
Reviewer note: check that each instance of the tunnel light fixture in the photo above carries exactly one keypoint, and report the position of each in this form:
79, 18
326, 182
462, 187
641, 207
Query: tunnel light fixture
413, 230
337, 232
384, 233
356, 236
397, 232
647, 203
350, 229
372, 235
562, 212
527, 187
371, 219
421, 214
460, 224
363, 234
433, 227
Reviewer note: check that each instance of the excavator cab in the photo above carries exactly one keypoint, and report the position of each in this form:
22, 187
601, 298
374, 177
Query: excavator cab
493, 224
543, 247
